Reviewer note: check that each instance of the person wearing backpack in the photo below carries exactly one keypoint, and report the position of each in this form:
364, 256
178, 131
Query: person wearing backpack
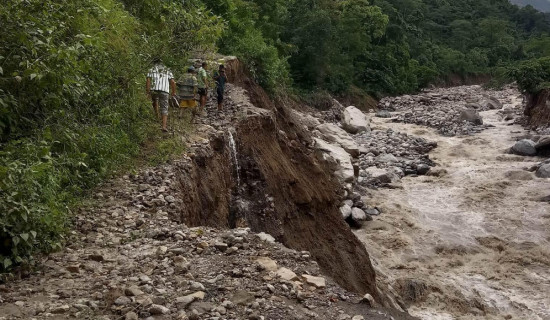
187, 91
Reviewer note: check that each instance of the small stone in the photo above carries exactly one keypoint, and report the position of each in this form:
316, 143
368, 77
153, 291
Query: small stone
183, 302
422, 169
162, 250
122, 301
318, 282
358, 318
74, 269
61, 309
133, 291
267, 264
96, 257
543, 171
228, 304
131, 316
358, 214
368, 299
266, 237
231, 250
158, 310
287, 274
221, 310
221, 246
197, 286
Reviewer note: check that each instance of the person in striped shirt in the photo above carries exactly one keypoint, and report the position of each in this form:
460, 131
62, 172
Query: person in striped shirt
160, 85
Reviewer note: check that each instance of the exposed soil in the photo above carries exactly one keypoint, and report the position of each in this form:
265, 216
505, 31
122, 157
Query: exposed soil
131, 257
471, 241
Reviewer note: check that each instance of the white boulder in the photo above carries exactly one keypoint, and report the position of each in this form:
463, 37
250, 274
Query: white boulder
338, 157
335, 134
355, 120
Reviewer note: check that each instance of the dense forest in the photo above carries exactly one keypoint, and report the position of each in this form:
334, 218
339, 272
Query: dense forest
72, 101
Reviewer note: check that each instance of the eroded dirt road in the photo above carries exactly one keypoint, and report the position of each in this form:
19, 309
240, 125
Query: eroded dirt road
473, 243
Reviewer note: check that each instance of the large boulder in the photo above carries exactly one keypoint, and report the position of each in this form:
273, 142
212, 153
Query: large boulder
345, 210
358, 215
471, 115
543, 146
338, 157
491, 103
308, 120
376, 175
524, 147
333, 133
544, 171
355, 120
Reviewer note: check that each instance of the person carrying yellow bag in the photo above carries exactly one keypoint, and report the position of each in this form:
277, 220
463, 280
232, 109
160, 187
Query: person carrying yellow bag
187, 91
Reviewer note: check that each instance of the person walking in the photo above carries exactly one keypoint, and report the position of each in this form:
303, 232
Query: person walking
220, 79
187, 91
159, 86
202, 78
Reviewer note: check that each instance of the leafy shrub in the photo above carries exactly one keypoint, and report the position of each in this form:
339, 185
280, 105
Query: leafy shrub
532, 76
72, 103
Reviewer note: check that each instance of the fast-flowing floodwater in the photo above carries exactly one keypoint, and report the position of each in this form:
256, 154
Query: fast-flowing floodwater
474, 242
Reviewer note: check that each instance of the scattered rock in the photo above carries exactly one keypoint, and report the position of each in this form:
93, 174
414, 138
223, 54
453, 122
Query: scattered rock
471, 115
358, 215
133, 291
267, 264
318, 282
544, 171
338, 158
524, 147
355, 120
335, 135
61, 309
286, 274
158, 310
345, 210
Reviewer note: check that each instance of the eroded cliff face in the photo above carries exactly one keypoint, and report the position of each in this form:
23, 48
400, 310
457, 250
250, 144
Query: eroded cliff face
537, 109
277, 186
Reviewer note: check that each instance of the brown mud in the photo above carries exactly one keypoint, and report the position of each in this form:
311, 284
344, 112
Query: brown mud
282, 189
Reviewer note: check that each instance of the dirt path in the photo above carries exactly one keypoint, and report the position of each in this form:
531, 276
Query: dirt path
473, 243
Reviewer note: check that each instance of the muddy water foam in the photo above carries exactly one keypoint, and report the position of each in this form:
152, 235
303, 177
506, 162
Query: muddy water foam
477, 237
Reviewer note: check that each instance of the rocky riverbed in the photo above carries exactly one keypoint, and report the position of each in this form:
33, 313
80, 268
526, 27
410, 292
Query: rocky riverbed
470, 242
452, 111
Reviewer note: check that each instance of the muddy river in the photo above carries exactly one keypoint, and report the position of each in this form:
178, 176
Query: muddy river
472, 243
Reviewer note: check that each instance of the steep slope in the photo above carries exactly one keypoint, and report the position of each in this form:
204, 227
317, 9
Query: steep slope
279, 187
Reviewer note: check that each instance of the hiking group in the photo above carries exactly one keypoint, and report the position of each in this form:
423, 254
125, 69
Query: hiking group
183, 94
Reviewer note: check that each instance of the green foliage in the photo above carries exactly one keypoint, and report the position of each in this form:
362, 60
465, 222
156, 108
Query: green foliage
533, 75
252, 35
72, 103
380, 46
